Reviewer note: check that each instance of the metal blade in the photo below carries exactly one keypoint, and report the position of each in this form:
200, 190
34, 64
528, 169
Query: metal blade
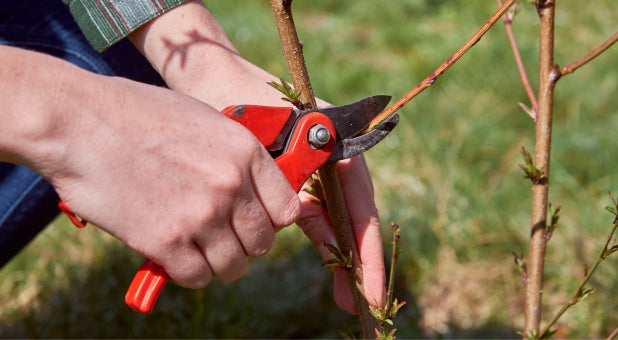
352, 118
351, 147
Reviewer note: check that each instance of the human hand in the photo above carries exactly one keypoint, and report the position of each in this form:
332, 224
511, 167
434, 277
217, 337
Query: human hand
195, 57
171, 177
358, 192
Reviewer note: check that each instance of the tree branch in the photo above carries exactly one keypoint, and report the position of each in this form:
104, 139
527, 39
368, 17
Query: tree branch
293, 51
580, 292
588, 57
442, 68
548, 75
333, 194
523, 76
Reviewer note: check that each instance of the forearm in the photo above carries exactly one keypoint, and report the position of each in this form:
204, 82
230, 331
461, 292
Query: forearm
31, 89
193, 54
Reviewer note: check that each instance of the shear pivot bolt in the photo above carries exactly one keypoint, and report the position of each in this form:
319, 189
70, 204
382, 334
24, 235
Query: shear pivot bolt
319, 136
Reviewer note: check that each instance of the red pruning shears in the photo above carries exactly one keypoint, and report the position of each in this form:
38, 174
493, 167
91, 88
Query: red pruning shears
300, 142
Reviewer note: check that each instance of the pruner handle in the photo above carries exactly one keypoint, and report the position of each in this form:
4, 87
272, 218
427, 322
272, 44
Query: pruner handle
146, 287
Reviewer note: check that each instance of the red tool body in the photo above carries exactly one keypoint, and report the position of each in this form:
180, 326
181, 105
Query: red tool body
299, 141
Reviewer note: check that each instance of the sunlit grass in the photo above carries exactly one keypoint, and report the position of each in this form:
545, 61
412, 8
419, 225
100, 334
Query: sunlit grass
448, 175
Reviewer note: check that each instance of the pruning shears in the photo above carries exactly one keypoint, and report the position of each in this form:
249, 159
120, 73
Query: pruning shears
300, 141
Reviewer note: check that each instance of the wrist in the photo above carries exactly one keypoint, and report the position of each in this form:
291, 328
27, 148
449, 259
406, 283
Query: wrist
30, 86
191, 51
185, 45
42, 98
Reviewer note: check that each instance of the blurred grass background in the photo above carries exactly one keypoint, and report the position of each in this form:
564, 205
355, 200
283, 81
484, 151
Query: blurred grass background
448, 175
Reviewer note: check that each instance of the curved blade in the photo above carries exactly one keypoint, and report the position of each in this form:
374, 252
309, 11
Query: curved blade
352, 118
353, 146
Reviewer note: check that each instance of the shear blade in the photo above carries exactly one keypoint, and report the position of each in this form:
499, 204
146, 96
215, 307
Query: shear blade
352, 118
351, 147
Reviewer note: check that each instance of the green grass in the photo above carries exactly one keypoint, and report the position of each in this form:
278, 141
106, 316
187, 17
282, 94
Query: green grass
448, 175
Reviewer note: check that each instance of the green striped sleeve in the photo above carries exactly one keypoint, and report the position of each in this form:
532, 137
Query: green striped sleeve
104, 22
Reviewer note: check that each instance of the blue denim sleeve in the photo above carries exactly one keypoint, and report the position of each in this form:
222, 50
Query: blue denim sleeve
28, 203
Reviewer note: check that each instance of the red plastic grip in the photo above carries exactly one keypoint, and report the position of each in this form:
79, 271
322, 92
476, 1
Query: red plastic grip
298, 163
301, 160
146, 287
78, 222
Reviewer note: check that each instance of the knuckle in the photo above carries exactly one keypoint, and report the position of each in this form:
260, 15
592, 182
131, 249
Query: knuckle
201, 279
263, 241
312, 227
234, 269
174, 239
289, 212
192, 272
231, 181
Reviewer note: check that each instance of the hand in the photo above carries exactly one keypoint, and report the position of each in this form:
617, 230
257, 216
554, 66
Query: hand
172, 178
195, 57
358, 192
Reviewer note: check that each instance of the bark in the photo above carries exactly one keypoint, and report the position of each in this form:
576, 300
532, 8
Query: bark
337, 209
548, 74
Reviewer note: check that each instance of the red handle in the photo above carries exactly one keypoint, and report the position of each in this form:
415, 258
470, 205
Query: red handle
298, 163
146, 287
300, 160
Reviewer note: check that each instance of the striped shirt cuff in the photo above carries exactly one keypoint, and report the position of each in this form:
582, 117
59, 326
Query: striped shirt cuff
104, 22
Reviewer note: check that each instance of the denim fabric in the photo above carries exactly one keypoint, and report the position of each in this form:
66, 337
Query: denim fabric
28, 202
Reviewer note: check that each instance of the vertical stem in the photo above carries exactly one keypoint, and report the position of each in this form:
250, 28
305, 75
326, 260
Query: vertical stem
344, 233
293, 51
547, 79
337, 209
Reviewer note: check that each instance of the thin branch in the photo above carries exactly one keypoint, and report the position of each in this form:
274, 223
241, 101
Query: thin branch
344, 234
333, 194
614, 335
579, 292
293, 51
523, 76
386, 314
588, 57
542, 152
394, 257
442, 68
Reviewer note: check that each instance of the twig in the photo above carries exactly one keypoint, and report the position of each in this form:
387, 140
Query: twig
335, 201
580, 293
588, 57
442, 68
614, 335
394, 257
542, 152
523, 76
386, 314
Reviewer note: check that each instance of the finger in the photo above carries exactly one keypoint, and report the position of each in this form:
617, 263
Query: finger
273, 190
223, 251
314, 222
187, 267
343, 293
252, 226
372, 258
358, 191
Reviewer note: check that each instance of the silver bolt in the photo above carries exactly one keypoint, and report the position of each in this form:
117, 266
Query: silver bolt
318, 136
